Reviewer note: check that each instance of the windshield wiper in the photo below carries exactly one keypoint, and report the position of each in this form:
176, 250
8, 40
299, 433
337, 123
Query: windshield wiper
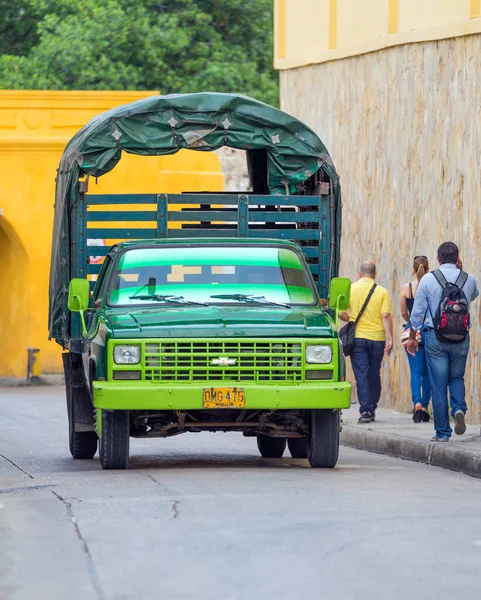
250, 298
163, 298
151, 285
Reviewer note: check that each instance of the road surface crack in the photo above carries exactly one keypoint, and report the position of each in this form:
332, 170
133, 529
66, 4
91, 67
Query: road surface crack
90, 563
16, 466
26, 489
175, 508
157, 482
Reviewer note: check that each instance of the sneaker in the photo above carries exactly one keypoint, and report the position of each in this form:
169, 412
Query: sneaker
365, 417
438, 438
373, 416
418, 415
460, 426
425, 416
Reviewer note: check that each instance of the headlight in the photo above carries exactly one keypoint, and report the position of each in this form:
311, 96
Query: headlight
127, 355
319, 354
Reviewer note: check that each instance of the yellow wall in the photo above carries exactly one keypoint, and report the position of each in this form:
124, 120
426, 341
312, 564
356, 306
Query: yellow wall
34, 128
316, 31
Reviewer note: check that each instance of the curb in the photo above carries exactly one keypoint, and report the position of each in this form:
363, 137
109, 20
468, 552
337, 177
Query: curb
430, 453
53, 379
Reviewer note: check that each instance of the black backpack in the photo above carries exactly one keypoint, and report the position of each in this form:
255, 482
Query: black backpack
452, 320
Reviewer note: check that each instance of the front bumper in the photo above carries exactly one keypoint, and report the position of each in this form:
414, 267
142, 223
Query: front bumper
113, 395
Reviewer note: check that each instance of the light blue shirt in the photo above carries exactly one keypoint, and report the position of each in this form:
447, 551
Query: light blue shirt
429, 292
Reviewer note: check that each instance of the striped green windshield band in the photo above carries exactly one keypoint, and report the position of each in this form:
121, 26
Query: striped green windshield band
214, 256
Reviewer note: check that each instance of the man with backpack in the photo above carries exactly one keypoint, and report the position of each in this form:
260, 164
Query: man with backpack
441, 310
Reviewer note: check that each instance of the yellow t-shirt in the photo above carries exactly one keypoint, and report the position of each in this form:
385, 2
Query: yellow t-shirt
370, 325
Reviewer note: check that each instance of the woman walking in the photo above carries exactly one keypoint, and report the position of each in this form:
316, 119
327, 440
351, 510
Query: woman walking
420, 383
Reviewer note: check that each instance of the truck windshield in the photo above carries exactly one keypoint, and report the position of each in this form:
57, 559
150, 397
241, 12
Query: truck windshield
211, 275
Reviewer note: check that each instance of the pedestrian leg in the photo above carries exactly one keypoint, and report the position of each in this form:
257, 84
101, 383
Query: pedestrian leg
376, 356
360, 366
425, 380
438, 366
457, 393
415, 367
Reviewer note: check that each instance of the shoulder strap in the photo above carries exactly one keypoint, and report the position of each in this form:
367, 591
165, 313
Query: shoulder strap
411, 290
461, 280
366, 302
440, 278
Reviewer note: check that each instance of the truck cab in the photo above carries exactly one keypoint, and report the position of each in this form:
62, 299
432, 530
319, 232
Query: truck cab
214, 318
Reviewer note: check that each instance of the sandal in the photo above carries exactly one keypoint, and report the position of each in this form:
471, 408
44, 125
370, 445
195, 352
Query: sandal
418, 415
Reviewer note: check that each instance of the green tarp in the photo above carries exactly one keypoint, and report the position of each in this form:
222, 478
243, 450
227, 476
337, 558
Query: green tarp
162, 125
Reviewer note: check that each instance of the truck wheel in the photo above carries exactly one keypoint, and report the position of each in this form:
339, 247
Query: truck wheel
114, 440
271, 447
297, 447
323, 444
83, 444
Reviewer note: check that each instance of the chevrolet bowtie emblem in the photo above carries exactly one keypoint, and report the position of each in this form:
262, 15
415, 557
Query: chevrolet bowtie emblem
223, 361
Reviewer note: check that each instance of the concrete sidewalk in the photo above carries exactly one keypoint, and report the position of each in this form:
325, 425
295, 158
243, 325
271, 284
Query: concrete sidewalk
396, 434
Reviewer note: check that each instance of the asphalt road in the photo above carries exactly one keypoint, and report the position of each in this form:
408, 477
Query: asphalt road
202, 516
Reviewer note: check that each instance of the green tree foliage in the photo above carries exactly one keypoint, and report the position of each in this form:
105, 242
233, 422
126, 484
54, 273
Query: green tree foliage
166, 45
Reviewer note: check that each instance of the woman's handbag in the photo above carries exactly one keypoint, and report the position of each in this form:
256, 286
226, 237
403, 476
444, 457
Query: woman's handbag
406, 334
346, 334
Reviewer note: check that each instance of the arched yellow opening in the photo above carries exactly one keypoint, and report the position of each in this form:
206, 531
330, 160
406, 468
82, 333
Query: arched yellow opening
14, 313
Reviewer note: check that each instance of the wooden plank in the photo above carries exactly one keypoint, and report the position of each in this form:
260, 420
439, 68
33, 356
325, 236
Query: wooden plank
283, 200
94, 269
121, 199
202, 233
285, 234
310, 251
121, 233
97, 250
203, 215
186, 199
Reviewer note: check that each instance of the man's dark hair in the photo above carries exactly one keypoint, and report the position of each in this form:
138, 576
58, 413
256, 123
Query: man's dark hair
448, 252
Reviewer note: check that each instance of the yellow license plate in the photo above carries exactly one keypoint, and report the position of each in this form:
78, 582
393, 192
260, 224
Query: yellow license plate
223, 397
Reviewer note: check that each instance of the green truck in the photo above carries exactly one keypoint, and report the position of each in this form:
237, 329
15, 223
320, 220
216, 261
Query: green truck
206, 311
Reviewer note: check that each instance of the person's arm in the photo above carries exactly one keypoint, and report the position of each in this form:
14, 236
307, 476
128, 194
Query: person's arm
420, 309
387, 324
402, 303
386, 321
344, 316
475, 292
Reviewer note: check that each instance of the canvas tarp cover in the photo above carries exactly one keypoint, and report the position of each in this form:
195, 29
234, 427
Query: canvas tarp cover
161, 125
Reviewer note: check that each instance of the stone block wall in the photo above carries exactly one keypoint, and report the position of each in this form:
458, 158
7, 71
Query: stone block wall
403, 126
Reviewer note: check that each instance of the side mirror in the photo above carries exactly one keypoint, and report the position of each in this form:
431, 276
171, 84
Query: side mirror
78, 295
78, 299
340, 293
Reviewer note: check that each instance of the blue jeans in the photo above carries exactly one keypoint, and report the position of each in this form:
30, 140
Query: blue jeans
366, 359
419, 377
446, 364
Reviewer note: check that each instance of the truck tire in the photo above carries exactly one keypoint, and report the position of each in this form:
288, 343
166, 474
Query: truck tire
323, 442
82, 444
270, 447
115, 438
297, 447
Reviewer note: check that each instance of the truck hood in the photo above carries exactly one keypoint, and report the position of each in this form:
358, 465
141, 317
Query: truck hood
219, 321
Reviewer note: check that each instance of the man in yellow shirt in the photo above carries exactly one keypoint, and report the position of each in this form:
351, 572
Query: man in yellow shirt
373, 338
